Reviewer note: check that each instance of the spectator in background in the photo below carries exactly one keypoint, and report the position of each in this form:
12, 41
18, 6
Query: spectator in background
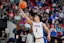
56, 14
62, 2
43, 1
16, 1
62, 12
26, 0
36, 9
53, 28
3, 34
51, 18
59, 28
56, 1
1, 6
29, 4
47, 10
33, 2
39, 3
53, 33
27, 11
11, 14
11, 1
60, 20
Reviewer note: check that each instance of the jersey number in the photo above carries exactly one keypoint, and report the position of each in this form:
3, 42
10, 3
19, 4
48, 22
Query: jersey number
36, 29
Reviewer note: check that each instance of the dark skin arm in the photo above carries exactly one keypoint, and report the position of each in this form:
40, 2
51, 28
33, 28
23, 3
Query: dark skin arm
25, 16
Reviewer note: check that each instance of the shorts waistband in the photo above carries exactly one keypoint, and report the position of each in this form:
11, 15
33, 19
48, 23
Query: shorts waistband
39, 37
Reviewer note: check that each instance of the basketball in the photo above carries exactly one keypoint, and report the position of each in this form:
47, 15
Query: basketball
22, 5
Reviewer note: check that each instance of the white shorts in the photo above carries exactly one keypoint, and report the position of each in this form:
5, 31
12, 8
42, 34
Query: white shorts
30, 38
41, 40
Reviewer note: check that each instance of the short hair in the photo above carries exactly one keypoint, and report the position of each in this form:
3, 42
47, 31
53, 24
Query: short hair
38, 16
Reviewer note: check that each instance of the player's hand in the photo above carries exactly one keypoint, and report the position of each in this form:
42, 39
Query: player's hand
26, 41
48, 38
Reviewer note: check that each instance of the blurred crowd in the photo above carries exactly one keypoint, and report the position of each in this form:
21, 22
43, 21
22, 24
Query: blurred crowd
51, 12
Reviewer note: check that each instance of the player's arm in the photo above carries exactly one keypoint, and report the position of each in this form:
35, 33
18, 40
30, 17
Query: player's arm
48, 32
25, 16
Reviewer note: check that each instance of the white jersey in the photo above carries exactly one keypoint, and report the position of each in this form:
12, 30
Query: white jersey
37, 29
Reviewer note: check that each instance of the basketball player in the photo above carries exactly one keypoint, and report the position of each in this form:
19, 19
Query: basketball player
37, 28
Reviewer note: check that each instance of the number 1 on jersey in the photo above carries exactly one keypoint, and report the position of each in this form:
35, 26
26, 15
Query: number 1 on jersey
36, 29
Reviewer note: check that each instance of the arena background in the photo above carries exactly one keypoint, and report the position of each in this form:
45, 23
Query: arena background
51, 12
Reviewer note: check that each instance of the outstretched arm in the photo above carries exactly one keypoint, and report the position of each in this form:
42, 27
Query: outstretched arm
48, 32
25, 16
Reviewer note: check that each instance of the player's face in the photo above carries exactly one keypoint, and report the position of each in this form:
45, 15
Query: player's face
23, 28
36, 18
